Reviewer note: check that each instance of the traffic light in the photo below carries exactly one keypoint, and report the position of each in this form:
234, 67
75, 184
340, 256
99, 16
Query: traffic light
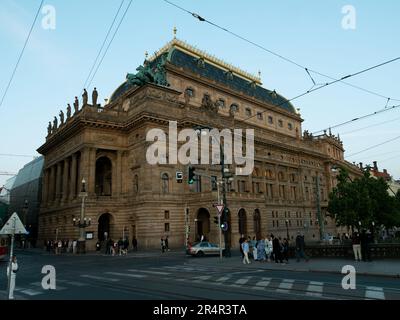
216, 220
191, 175
224, 226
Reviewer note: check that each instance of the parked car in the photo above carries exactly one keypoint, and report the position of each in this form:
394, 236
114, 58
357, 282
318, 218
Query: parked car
203, 248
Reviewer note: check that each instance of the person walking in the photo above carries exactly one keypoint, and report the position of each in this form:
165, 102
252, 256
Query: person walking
261, 250
357, 246
254, 248
276, 249
285, 250
300, 247
245, 247
14, 270
134, 243
162, 245
241, 240
166, 244
268, 248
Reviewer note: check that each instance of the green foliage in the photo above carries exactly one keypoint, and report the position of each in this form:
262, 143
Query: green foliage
364, 199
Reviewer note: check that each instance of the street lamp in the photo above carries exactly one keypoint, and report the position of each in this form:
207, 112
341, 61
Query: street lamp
82, 222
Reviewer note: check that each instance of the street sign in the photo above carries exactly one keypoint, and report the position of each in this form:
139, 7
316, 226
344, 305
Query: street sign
219, 207
179, 176
13, 226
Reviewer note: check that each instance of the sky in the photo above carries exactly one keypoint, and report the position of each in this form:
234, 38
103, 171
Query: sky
56, 62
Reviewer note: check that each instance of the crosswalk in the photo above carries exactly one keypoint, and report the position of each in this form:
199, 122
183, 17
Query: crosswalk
213, 276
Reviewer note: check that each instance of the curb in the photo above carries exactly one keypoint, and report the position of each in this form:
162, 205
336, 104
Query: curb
395, 275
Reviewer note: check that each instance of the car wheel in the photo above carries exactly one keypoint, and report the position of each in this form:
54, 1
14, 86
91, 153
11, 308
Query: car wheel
200, 254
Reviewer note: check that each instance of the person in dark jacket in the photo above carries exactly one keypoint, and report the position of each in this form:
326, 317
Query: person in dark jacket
366, 239
285, 250
357, 246
276, 249
300, 247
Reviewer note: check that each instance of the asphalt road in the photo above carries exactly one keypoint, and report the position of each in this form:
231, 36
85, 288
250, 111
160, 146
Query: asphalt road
175, 276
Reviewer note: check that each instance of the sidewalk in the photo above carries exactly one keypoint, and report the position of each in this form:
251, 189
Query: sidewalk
385, 268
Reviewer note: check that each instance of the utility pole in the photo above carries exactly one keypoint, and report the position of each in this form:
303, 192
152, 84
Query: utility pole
227, 238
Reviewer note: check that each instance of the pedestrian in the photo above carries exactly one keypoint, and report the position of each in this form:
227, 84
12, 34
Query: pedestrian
245, 247
59, 247
276, 249
285, 250
357, 246
120, 246
268, 248
261, 250
74, 244
202, 238
14, 270
162, 245
366, 240
300, 247
98, 247
134, 243
241, 240
166, 244
126, 246
254, 248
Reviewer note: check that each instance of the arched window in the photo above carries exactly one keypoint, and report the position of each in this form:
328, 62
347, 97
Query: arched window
234, 108
242, 222
189, 92
103, 176
165, 183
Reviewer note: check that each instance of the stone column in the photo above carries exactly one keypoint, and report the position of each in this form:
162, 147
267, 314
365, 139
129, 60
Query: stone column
91, 171
65, 180
58, 181
45, 187
73, 173
52, 188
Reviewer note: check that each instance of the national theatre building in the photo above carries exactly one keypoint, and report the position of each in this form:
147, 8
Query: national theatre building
104, 147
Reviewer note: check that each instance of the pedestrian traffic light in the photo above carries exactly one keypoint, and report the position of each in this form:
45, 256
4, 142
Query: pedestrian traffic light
216, 220
191, 175
224, 226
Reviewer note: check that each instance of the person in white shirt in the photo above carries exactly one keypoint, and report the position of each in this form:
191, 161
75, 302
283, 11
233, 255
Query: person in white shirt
14, 270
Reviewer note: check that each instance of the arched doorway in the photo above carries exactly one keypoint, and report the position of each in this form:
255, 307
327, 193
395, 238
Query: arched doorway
242, 222
103, 176
257, 223
103, 230
202, 224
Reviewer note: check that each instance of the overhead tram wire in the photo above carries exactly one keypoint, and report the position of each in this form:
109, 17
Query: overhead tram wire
359, 118
104, 42
370, 126
17, 155
372, 147
109, 44
20, 55
306, 69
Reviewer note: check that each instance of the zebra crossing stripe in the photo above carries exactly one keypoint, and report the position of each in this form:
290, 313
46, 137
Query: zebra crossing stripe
222, 279
31, 292
260, 285
98, 278
314, 289
201, 278
240, 282
126, 274
285, 286
375, 293
151, 272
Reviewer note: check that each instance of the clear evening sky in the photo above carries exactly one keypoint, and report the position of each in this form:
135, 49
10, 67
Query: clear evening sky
56, 62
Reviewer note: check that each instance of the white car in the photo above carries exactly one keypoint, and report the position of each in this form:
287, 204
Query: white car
203, 248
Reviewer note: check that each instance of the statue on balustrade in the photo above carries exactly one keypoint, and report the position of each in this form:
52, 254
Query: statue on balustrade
49, 129
61, 117
94, 97
76, 105
84, 97
55, 123
68, 111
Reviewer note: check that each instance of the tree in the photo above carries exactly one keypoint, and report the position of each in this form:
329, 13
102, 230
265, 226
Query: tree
363, 199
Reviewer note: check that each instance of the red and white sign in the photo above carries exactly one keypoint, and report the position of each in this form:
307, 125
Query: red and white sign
219, 207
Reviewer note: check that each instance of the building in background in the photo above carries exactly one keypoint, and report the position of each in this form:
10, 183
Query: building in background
25, 195
393, 185
126, 196
5, 199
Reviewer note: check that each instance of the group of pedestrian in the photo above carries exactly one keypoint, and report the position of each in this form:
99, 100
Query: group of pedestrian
270, 248
361, 245
119, 247
61, 246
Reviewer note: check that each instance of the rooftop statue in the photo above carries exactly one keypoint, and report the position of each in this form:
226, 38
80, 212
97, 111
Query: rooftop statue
94, 97
149, 74
55, 123
84, 97
49, 129
68, 111
61, 117
76, 105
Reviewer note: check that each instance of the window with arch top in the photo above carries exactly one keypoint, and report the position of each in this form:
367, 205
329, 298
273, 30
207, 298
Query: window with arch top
165, 183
